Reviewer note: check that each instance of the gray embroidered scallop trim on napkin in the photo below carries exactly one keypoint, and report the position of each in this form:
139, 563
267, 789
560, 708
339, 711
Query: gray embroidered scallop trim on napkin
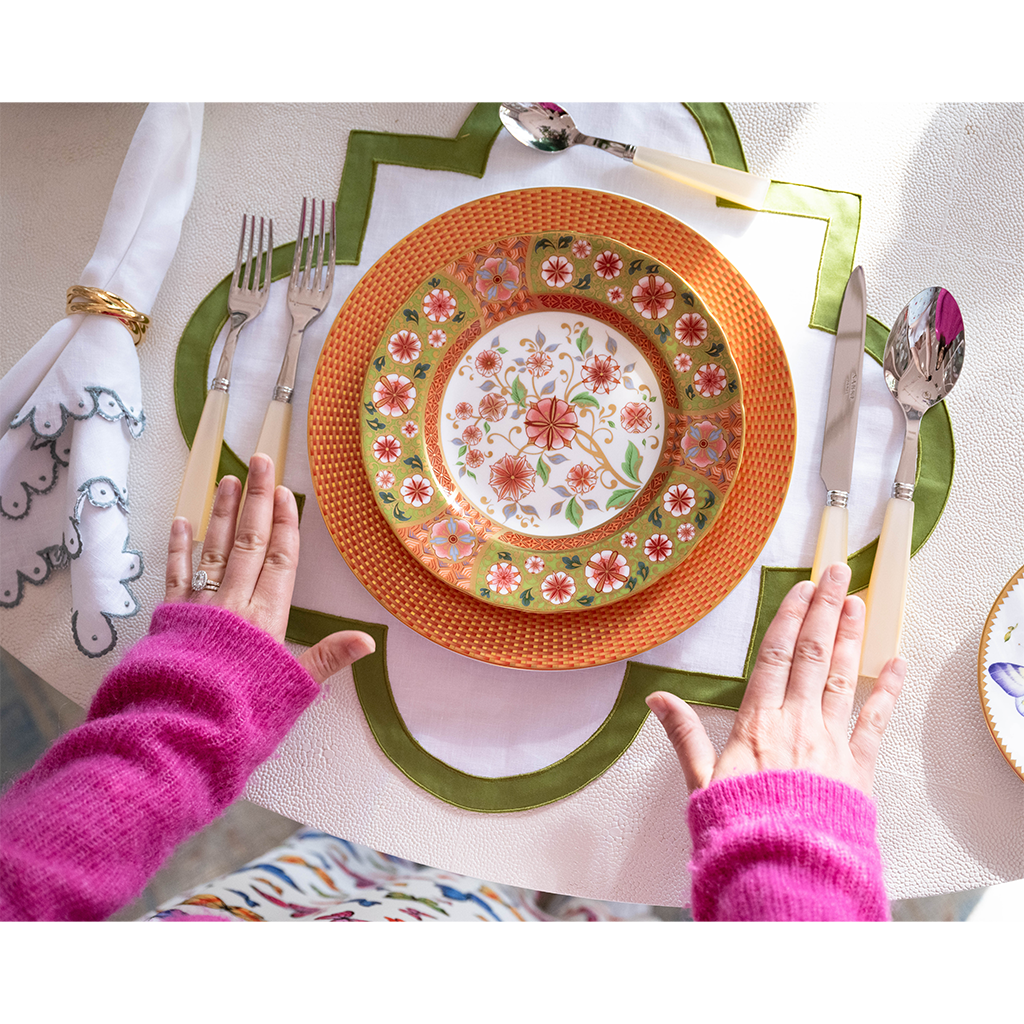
72, 406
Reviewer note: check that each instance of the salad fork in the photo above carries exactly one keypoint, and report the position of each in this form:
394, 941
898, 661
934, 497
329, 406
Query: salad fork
247, 295
309, 291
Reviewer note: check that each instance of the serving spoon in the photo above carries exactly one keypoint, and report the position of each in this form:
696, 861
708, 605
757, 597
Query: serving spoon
923, 356
549, 128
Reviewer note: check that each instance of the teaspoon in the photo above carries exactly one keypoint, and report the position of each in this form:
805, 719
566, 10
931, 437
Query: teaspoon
923, 357
549, 128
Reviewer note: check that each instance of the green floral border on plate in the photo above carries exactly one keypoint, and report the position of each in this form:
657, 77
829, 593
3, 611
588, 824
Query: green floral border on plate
467, 153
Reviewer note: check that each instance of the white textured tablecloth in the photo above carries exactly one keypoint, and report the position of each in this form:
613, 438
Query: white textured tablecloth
942, 189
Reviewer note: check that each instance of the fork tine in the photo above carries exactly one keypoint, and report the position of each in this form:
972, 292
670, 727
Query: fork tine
320, 250
248, 259
330, 263
297, 261
269, 261
258, 264
236, 277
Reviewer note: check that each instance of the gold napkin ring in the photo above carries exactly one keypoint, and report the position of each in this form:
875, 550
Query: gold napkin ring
82, 299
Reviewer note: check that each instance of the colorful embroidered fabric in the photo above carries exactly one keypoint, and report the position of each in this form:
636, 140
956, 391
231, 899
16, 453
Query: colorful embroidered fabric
317, 877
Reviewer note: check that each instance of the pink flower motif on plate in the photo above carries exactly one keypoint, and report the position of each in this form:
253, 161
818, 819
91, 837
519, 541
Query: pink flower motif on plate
628, 540
616, 294
601, 374
682, 362
710, 380
493, 407
534, 564
538, 363
472, 434
581, 248
452, 538
387, 448
504, 578
497, 279
636, 417
691, 329
558, 588
474, 458
512, 478
608, 266
417, 490
678, 500
653, 297
556, 271
703, 444
437, 338
394, 394
404, 346
439, 305
385, 479
658, 547
686, 532
607, 571
410, 428
488, 362
581, 478
551, 424
464, 410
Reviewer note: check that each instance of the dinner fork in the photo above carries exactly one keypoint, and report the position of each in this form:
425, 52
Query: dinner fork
309, 291
247, 295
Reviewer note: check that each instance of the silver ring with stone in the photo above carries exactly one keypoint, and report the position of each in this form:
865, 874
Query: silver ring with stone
200, 581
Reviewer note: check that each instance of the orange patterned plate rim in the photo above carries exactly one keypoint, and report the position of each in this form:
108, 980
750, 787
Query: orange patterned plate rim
570, 640
552, 422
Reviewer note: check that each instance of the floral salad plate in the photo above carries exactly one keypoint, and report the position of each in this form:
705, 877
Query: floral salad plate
552, 422
1001, 672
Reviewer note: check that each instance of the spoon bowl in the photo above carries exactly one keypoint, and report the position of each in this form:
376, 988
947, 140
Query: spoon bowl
923, 357
547, 127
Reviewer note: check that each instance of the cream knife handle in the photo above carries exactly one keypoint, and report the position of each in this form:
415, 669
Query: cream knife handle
273, 439
200, 479
887, 591
737, 186
832, 540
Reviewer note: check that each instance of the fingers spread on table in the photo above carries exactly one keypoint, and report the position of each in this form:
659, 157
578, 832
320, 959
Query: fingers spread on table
273, 592
688, 737
220, 533
874, 716
767, 684
841, 684
178, 577
252, 534
812, 655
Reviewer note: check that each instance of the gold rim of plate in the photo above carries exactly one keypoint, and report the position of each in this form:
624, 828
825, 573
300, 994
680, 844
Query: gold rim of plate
503, 636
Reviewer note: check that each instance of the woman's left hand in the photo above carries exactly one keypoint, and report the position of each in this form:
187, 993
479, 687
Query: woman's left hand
254, 563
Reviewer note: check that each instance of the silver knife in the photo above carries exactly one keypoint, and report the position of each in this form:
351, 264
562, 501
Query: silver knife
841, 425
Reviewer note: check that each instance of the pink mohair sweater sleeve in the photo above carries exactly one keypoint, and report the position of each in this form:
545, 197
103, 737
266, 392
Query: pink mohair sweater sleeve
785, 846
172, 736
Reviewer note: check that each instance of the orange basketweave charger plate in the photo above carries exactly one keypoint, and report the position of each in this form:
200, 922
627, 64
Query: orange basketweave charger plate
502, 635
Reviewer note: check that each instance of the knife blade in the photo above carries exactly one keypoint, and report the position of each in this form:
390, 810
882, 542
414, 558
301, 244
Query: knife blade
841, 425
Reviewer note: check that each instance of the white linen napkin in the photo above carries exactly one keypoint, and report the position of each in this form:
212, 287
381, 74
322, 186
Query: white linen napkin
71, 406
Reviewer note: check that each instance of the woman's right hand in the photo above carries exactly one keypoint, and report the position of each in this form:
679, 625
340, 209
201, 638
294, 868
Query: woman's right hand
796, 711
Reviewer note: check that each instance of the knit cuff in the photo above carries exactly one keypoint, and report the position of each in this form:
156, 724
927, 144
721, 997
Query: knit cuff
785, 846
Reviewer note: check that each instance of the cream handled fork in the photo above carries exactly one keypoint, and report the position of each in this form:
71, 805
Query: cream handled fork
309, 291
247, 295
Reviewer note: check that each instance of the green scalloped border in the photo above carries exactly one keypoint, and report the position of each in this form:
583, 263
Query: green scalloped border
467, 153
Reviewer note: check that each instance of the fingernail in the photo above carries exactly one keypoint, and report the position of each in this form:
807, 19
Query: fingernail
841, 572
804, 590
360, 647
179, 526
227, 485
260, 464
657, 705
855, 608
899, 667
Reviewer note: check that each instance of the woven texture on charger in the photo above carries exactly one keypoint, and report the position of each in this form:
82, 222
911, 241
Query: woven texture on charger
503, 636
